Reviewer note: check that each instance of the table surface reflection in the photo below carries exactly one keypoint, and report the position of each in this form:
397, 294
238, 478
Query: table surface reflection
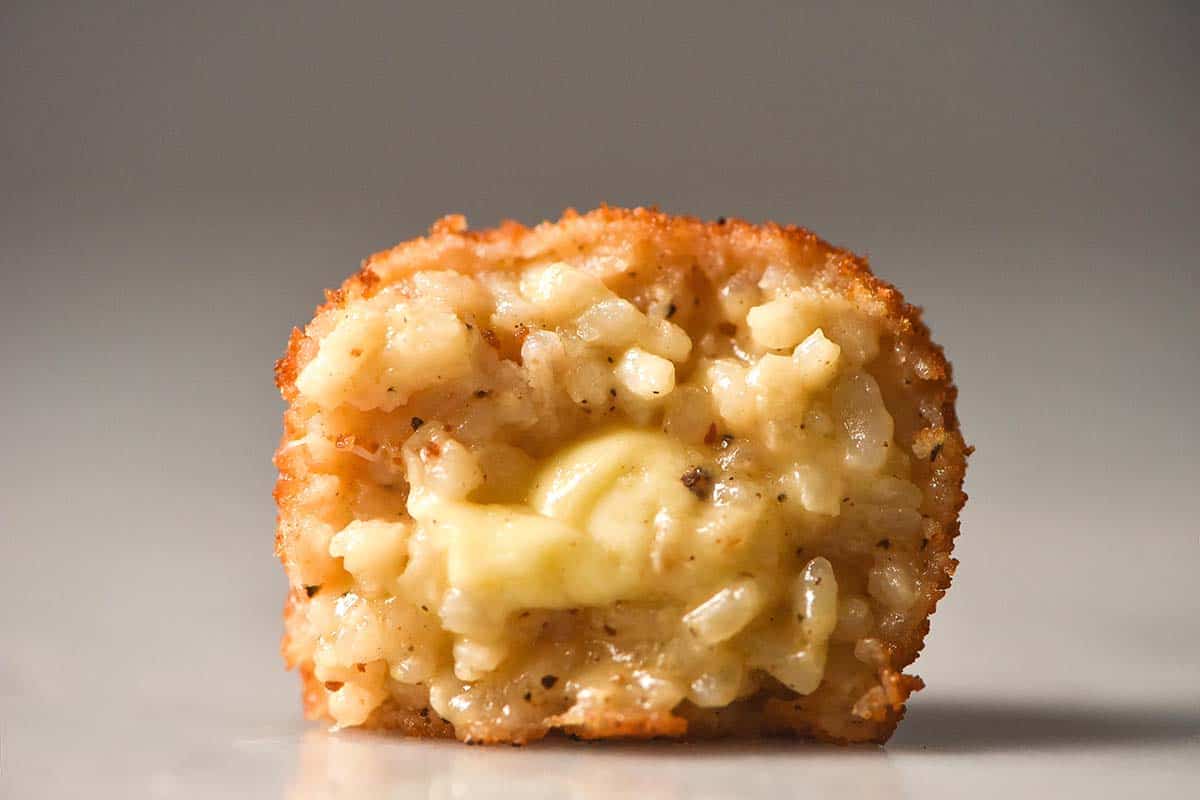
977, 748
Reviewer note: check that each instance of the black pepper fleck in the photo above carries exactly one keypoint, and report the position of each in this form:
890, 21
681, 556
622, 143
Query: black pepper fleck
548, 681
699, 482
884, 543
416, 423
933, 454
311, 590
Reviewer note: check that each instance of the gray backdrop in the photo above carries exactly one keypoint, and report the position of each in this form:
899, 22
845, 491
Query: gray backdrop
178, 182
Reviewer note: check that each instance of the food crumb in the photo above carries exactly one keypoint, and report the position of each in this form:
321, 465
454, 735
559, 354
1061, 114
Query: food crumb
699, 482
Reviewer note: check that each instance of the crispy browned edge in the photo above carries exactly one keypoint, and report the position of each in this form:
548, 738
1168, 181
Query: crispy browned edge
883, 707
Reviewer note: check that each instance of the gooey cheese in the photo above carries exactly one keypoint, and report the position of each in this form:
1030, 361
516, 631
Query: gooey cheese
586, 532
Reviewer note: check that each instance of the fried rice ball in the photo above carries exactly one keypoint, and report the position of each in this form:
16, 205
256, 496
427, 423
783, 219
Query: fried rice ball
625, 474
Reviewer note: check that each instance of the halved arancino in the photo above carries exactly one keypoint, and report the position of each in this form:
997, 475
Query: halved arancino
621, 475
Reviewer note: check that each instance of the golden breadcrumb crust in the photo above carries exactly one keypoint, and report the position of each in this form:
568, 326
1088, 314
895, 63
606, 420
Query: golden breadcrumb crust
922, 382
